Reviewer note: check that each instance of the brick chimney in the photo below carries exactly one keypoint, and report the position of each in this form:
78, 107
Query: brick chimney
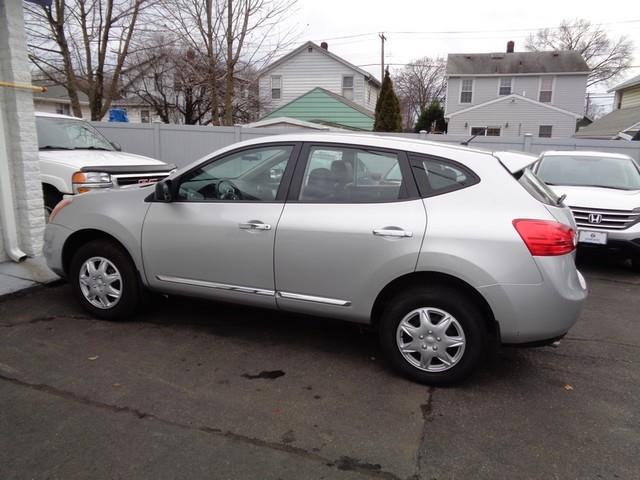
324, 45
510, 46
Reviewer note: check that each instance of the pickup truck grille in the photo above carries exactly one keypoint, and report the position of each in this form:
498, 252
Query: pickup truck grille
135, 179
602, 219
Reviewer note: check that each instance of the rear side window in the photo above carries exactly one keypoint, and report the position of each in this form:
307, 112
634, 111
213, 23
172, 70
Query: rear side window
351, 175
436, 176
537, 188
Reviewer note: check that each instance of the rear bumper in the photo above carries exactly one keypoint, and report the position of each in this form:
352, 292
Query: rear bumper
541, 312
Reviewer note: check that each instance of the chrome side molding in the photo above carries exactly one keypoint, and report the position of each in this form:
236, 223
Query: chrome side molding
256, 291
218, 286
312, 298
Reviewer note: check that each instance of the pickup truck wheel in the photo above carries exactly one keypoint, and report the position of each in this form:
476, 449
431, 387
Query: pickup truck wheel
105, 281
433, 335
51, 198
635, 264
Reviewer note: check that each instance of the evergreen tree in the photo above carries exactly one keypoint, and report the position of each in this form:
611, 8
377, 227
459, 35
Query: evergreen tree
433, 113
388, 117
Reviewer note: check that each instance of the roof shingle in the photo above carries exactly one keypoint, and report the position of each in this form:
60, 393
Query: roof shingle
516, 63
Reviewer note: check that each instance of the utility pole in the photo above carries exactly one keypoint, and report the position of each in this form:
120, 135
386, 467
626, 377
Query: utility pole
382, 39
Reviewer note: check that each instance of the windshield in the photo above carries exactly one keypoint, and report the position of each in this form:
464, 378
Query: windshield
66, 134
605, 172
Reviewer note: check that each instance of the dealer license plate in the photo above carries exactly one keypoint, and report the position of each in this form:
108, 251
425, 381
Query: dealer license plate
589, 236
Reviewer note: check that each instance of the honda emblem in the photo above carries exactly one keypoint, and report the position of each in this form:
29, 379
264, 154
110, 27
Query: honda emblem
595, 218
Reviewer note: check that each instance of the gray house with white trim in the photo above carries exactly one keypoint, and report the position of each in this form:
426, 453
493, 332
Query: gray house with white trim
512, 93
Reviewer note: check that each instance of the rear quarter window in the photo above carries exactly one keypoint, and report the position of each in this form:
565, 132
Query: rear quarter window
436, 176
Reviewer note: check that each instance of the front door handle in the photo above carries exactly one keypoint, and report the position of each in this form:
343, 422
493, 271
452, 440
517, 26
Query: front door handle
254, 225
392, 232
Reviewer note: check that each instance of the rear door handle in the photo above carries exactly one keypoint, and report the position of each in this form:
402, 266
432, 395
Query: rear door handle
392, 232
254, 225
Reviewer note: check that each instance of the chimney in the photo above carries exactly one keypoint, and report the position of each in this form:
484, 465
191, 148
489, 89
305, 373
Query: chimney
324, 45
510, 46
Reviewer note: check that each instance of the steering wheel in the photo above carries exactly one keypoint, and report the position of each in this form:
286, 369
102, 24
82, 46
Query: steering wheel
228, 191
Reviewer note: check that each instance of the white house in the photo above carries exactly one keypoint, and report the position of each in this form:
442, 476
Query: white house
513, 93
310, 66
56, 100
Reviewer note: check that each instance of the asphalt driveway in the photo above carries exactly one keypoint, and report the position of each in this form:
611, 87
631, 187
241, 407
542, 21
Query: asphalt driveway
204, 390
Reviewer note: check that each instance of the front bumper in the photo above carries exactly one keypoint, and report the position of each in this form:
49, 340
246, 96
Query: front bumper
55, 237
626, 241
535, 313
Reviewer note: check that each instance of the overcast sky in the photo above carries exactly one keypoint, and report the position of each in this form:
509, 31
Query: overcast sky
415, 28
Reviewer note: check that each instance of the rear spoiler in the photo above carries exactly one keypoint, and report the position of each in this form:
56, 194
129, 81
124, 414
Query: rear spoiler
515, 162
116, 169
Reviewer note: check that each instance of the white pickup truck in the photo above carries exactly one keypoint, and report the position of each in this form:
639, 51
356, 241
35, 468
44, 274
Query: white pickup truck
76, 158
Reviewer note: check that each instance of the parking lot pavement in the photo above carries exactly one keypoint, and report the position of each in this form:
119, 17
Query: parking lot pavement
204, 390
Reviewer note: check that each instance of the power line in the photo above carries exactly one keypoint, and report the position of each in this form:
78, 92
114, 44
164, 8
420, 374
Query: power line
448, 32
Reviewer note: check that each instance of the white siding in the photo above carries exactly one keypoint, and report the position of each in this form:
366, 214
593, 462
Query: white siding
522, 117
306, 71
568, 91
50, 107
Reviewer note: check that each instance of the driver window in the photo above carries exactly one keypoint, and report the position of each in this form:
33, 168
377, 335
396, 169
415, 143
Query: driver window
253, 175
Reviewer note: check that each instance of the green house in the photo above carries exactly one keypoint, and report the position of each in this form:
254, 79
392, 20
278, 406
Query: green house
327, 108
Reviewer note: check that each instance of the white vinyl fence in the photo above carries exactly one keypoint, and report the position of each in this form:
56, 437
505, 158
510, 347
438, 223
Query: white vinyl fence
182, 144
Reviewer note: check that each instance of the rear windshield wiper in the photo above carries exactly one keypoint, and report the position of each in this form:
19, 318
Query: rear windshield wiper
55, 147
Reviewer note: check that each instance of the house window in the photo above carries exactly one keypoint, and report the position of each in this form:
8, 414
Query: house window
466, 92
62, 109
546, 89
276, 87
486, 131
545, 131
145, 116
347, 87
505, 86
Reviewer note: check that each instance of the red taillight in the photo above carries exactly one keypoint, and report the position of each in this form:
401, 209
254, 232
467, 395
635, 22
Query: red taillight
546, 238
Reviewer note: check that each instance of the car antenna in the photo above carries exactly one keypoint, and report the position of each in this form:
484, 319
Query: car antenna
468, 141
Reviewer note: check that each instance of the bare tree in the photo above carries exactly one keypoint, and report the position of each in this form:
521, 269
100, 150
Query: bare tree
418, 84
83, 45
233, 36
173, 80
607, 57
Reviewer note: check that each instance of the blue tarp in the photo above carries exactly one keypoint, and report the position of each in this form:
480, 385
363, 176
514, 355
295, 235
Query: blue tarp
118, 115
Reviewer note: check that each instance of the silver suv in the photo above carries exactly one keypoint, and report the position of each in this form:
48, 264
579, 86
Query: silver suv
444, 249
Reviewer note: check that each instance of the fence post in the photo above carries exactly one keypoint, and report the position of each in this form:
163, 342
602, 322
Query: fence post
423, 134
526, 143
237, 131
156, 141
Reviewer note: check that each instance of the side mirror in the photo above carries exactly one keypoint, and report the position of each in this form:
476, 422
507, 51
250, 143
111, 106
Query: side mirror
164, 191
117, 146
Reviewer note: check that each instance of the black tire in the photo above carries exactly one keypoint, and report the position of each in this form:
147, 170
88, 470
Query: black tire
51, 198
130, 288
468, 316
635, 264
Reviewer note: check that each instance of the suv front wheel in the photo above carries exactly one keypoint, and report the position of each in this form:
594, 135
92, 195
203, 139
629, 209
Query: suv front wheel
104, 280
433, 335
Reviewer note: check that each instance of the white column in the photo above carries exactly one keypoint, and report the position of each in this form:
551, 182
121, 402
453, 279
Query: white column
20, 146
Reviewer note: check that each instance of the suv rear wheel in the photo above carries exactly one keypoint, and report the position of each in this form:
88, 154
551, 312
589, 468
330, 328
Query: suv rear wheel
433, 335
104, 280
